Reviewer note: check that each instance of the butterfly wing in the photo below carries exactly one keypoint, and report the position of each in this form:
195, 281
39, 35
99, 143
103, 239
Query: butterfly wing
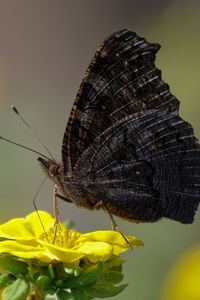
121, 79
144, 167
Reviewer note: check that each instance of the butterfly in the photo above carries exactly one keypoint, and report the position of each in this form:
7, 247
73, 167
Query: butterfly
125, 149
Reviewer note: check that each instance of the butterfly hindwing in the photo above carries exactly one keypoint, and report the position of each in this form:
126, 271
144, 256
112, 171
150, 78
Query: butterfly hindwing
144, 167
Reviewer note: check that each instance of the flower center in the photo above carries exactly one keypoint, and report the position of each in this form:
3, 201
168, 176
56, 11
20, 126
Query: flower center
61, 236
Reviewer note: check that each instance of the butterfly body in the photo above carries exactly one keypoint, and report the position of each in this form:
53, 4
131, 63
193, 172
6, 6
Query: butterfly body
125, 148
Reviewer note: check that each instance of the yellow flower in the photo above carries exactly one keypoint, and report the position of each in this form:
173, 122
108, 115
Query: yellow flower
183, 280
27, 238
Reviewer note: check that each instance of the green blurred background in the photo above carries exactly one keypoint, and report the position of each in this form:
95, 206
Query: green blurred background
45, 47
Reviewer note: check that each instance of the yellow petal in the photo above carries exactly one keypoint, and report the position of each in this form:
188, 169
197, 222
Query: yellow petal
19, 249
114, 238
66, 255
16, 229
27, 251
35, 222
27, 228
96, 251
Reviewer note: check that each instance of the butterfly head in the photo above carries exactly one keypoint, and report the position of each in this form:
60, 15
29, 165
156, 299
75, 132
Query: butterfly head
51, 167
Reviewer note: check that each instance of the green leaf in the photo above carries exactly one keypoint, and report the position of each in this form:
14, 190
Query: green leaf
5, 280
51, 271
61, 295
18, 290
79, 294
50, 297
86, 278
43, 281
74, 270
113, 277
62, 272
64, 295
33, 269
13, 265
115, 263
104, 290
49, 293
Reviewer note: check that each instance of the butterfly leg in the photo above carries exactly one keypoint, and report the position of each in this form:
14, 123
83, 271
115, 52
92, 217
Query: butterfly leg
63, 198
56, 212
114, 225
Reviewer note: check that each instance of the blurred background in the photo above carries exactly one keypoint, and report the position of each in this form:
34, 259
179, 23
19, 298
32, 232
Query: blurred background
45, 48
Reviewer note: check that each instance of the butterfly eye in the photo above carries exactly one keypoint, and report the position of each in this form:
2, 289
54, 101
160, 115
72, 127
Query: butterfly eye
53, 170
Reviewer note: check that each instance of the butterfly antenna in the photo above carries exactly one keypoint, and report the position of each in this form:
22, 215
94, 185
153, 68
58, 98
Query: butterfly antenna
34, 203
24, 147
32, 130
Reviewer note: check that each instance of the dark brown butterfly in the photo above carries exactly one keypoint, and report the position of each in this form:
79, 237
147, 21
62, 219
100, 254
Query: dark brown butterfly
125, 148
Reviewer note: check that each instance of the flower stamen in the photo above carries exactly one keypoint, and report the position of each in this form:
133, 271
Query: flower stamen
65, 237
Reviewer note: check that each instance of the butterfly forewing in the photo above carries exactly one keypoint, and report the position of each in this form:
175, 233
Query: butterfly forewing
121, 79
